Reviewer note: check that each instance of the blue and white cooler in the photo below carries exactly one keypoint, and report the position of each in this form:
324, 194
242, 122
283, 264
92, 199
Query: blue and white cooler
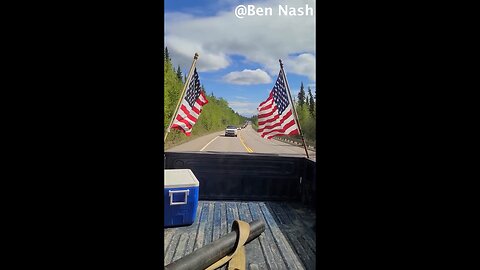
180, 197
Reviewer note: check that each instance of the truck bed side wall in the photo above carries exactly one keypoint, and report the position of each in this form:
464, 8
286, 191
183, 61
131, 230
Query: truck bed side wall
248, 177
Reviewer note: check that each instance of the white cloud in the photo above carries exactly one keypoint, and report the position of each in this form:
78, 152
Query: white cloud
302, 64
247, 77
238, 104
247, 112
180, 50
244, 108
260, 39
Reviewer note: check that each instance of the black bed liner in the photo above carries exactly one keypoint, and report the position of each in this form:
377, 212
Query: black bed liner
287, 243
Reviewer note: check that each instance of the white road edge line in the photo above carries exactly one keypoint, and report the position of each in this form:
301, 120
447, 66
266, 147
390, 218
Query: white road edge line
209, 143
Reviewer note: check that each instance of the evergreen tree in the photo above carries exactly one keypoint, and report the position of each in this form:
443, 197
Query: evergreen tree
173, 88
301, 96
307, 101
167, 55
179, 73
311, 104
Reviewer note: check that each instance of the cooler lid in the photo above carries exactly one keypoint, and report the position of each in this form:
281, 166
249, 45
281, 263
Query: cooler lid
180, 178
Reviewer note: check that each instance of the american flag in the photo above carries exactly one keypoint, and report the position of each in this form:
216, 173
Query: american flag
275, 115
191, 106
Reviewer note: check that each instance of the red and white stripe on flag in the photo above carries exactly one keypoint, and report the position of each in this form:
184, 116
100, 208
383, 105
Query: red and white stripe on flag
191, 107
275, 115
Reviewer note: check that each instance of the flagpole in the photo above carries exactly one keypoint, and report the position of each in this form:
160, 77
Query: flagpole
189, 77
293, 106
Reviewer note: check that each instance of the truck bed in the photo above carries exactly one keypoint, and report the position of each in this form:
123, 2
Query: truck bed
288, 241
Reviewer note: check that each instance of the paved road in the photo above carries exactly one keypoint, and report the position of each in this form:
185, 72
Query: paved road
247, 140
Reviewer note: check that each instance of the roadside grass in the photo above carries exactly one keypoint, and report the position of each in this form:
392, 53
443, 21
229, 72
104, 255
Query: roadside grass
176, 137
293, 140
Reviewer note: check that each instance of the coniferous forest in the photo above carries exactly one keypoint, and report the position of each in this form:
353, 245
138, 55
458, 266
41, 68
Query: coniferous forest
306, 110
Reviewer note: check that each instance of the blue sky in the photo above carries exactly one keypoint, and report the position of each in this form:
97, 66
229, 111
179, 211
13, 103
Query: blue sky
239, 57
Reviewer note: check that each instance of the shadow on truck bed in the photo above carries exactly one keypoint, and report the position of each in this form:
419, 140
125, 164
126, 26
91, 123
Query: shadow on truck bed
280, 190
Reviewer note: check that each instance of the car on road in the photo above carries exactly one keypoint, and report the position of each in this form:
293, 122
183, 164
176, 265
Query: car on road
231, 131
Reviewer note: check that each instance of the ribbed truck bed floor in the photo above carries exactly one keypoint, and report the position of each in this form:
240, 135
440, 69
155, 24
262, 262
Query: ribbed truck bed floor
287, 243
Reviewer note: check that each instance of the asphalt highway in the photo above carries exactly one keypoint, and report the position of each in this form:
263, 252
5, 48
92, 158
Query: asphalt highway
248, 140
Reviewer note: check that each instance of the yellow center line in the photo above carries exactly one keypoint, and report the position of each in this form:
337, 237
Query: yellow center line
249, 150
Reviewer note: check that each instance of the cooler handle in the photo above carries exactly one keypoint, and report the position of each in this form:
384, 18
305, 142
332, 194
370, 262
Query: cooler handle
170, 194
